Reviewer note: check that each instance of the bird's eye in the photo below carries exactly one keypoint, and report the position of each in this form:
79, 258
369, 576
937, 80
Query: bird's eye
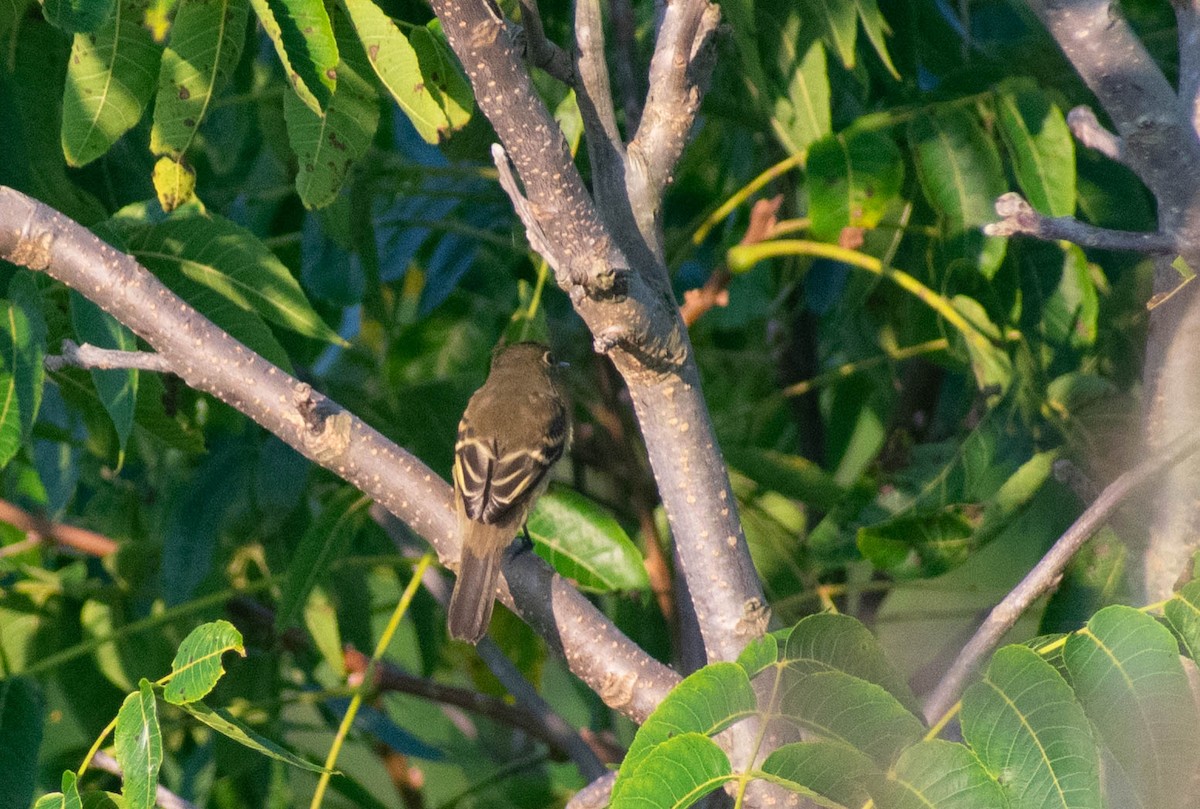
548, 359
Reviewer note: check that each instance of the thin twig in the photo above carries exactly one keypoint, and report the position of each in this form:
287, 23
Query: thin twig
1019, 217
595, 795
163, 797
43, 530
92, 357
1045, 575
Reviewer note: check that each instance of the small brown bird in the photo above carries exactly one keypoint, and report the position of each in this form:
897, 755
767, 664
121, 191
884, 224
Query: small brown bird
513, 431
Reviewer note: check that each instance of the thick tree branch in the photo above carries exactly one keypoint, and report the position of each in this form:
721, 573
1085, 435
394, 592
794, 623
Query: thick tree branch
1020, 218
631, 315
208, 359
626, 61
1046, 574
594, 92
540, 51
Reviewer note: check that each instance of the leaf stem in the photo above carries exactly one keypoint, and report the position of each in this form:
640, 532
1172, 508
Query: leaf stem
385, 640
95, 748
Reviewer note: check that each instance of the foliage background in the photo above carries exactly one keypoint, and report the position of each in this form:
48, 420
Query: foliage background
891, 388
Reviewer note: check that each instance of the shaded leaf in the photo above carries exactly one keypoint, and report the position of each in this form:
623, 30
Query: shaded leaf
77, 16
839, 25
584, 542
1041, 146
117, 387
681, 771
960, 172
67, 799
197, 665
324, 541
21, 723
829, 770
1183, 616
22, 348
942, 774
853, 178
110, 77
226, 725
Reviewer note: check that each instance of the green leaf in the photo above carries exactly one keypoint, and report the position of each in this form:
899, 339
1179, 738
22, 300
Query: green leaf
214, 252
918, 545
22, 348
991, 365
444, 79
706, 702
307, 49
1183, 615
67, 799
582, 541
853, 178
174, 183
206, 42
803, 115
761, 653
681, 771
1024, 723
838, 707
226, 725
876, 28
942, 774
197, 665
118, 387
960, 172
327, 145
323, 543
828, 770
792, 475
1040, 144
833, 642
21, 712
139, 747
77, 16
1126, 672
321, 621
398, 67
839, 25
110, 77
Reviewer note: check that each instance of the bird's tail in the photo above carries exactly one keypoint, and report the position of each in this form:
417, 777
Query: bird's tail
475, 591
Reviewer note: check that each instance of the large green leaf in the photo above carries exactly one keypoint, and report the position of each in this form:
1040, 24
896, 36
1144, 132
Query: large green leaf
706, 702
792, 475
682, 770
1126, 671
852, 180
304, 40
327, 145
21, 712
832, 771
110, 78
117, 387
919, 545
960, 172
139, 748
396, 64
1023, 721
1040, 145
231, 261
940, 774
22, 348
802, 115
229, 727
197, 665
206, 41
322, 544
584, 542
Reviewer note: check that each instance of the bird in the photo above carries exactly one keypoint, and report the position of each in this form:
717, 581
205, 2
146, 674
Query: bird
516, 426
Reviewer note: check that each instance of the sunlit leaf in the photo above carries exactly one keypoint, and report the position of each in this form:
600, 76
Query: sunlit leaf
942, 774
304, 41
1041, 146
584, 542
197, 666
110, 78
226, 725
832, 771
681, 770
852, 180
139, 748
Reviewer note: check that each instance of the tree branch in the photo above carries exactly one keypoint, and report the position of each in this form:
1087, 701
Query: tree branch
1046, 574
594, 92
1088, 130
631, 315
208, 359
68, 536
90, 357
540, 51
1021, 218
626, 61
